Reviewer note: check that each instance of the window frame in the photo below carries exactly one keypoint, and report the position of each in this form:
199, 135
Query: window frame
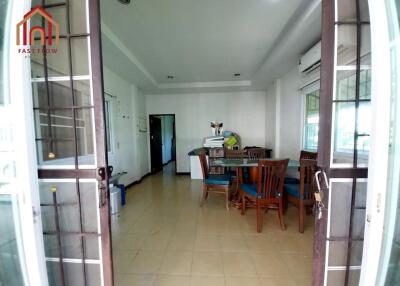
305, 91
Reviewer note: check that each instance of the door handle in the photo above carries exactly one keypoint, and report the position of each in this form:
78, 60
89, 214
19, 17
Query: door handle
319, 196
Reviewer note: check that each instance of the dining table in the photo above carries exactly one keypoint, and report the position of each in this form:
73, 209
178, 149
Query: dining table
238, 164
252, 164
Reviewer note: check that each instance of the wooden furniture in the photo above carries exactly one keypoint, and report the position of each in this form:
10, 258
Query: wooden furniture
302, 194
235, 154
268, 191
308, 155
303, 155
244, 162
234, 171
256, 153
213, 183
213, 154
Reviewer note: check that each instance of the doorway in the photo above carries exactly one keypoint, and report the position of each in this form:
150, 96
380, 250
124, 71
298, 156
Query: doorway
162, 141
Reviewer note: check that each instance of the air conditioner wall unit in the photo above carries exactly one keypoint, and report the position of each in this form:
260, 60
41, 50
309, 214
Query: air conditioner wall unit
311, 60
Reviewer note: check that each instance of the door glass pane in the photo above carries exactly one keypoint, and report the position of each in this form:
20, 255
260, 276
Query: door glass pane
389, 265
343, 134
338, 253
11, 270
337, 277
80, 57
346, 47
57, 63
70, 218
346, 10
365, 44
12, 258
364, 10
364, 130
346, 85
311, 124
340, 204
55, 128
74, 274
77, 9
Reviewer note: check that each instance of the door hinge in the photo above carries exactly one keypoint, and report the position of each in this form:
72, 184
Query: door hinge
378, 202
35, 214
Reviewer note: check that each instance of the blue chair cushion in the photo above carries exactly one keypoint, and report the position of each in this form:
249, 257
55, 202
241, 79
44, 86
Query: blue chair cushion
289, 180
250, 189
294, 190
217, 180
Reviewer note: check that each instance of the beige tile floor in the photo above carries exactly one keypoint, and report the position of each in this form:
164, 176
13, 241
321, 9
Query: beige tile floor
163, 237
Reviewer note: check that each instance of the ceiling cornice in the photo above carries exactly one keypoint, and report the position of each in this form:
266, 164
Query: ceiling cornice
134, 60
205, 84
118, 43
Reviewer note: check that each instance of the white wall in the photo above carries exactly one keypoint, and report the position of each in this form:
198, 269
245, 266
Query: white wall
129, 145
285, 93
291, 115
270, 118
241, 112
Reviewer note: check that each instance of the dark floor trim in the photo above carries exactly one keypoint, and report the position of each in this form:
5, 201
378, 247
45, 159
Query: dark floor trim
138, 181
182, 173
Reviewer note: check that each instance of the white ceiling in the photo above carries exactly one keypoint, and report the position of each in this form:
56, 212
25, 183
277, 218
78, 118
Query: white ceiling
202, 43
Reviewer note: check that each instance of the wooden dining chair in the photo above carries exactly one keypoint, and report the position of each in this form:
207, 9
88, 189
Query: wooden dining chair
268, 191
213, 183
256, 153
234, 172
302, 194
303, 155
235, 154
308, 155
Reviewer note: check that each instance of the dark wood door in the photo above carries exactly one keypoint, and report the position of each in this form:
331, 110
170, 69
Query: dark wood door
343, 146
156, 144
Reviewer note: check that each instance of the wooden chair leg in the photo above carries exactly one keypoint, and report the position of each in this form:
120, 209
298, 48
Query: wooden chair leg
259, 217
285, 203
301, 216
227, 198
243, 205
280, 214
203, 196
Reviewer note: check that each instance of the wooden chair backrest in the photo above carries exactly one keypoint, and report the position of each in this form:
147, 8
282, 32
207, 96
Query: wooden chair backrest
308, 155
271, 176
235, 154
256, 153
203, 164
307, 180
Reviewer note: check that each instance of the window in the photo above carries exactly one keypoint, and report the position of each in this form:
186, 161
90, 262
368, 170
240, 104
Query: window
346, 112
311, 121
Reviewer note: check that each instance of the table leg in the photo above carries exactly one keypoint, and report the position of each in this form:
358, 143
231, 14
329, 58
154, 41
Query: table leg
253, 174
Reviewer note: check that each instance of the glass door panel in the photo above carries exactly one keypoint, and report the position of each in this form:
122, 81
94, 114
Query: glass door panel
13, 271
12, 266
344, 141
71, 149
389, 269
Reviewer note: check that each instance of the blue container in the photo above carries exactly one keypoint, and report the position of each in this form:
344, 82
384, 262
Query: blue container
123, 199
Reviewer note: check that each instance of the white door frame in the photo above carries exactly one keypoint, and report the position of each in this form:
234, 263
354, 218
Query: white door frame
26, 183
378, 156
